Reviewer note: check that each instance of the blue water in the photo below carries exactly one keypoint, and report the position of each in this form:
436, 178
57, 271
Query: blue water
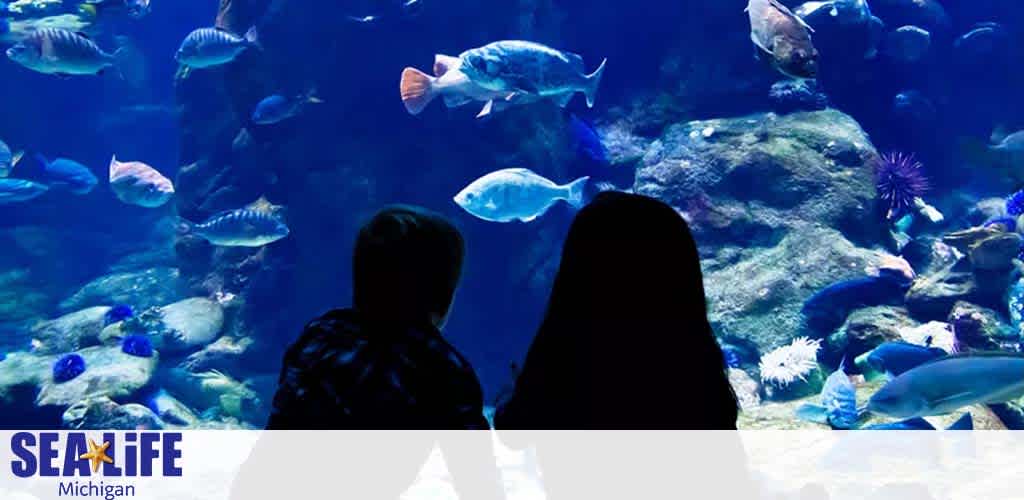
337, 162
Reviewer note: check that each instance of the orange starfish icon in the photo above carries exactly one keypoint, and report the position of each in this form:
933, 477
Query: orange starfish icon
96, 455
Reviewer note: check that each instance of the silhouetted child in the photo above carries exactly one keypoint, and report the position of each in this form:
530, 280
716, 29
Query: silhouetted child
383, 364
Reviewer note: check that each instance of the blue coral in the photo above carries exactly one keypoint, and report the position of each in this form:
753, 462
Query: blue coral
117, 314
1015, 203
137, 345
68, 367
899, 179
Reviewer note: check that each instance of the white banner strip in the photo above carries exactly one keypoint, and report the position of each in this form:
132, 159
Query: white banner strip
806, 465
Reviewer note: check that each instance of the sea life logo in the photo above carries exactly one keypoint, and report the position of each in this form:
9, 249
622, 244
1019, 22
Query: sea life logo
113, 455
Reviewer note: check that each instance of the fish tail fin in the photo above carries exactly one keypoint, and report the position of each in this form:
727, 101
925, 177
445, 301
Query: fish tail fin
16, 158
252, 37
417, 90
113, 165
311, 97
593, 83
575, 191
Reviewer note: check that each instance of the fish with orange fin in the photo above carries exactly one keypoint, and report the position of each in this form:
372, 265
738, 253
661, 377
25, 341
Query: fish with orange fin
783, 36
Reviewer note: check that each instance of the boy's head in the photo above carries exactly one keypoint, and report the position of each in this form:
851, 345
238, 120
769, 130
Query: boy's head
406, 266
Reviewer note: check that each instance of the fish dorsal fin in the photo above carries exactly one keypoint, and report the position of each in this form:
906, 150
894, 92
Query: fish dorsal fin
575, 60
974, 354
520, 171
789, 13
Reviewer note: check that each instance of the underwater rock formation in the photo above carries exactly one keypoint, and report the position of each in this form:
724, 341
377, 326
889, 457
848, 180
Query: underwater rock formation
191, 323
140, 289
979, 328
103, 413
109, 372
760, 297
748, 391
763, 175
864, 330
217, 392
70, 332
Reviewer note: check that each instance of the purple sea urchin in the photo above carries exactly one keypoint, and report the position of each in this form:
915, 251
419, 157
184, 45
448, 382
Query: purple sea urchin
137, 345
899, 179
68, 367
1015, 203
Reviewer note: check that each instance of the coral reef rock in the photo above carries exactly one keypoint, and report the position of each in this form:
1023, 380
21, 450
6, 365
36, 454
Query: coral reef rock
109, 372
71, 331
743, 181
760, 298
103, 413
747, 390
191, 323
864, 330
143, 289
978, 327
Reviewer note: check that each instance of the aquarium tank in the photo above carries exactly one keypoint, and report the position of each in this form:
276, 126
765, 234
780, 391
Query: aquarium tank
182, 183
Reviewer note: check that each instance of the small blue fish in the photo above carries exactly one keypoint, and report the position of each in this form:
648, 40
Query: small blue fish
19, 190
964, 423
897, 358
838, 406
277, 108
587, 142
68, 174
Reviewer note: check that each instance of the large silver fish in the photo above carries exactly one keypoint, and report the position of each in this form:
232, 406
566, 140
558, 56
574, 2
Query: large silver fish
783, 36
56, 51
139, 184
953, 382
208, 47
244, 227
19, 190
516, 194
501, 74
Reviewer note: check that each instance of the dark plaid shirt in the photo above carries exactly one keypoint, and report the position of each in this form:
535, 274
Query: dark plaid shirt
342, 374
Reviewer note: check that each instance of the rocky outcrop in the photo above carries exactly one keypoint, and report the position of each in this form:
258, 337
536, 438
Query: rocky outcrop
749, 181
70, 332
103, 413
139, 289
109, 372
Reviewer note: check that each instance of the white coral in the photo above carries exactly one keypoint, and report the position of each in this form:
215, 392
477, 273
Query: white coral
790, 363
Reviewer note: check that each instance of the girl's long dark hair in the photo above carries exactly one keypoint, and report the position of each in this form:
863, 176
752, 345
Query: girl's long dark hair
625, 342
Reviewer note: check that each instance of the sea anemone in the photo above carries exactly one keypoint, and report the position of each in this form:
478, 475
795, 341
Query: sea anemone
117, 314
899, 179
137, 345
68, 367
790, 363
1015, 203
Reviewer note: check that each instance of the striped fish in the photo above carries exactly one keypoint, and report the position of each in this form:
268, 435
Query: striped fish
208, 47
55, 51
243, 227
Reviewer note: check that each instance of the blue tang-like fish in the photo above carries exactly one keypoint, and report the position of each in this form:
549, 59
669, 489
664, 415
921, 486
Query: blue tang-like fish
897, 358
516, 194
68, 174
838, 406
278, 108
950, 383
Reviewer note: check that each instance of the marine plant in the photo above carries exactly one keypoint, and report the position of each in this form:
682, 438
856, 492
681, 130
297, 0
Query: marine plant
1015, 203
137, 345
899, 180
68, 367
117, 314
790, 363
